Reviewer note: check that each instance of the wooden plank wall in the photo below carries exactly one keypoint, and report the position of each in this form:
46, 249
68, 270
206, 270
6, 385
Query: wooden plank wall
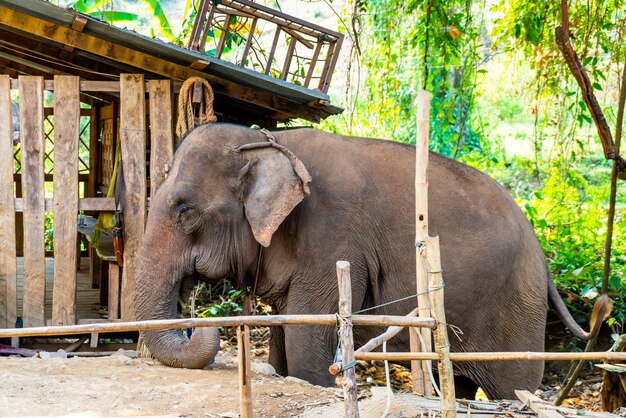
8, 264
65, 203
161, 133
66, 137
133, 140
32, 141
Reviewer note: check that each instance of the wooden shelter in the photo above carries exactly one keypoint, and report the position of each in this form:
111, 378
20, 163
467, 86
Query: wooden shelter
82, 86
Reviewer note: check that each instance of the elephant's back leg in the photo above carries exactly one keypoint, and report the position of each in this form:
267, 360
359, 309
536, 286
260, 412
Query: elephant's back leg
508, 313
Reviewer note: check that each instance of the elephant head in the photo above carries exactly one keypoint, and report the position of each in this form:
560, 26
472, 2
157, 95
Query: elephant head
228, 191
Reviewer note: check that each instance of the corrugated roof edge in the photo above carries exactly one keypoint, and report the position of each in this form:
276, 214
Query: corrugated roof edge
58, 15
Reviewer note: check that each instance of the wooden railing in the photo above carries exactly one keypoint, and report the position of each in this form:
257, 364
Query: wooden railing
244, 28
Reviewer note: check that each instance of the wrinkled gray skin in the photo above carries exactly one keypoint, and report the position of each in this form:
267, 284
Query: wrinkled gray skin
219, 205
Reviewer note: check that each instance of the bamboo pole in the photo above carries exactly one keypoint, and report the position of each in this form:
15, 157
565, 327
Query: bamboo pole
442, 345
231, 321
350, 394
420, 370
494, 356
245, 382
391, 332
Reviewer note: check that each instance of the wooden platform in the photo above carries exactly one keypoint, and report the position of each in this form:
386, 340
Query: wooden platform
87, 299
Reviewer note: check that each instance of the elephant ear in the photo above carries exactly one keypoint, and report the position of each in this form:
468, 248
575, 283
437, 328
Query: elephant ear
274, 182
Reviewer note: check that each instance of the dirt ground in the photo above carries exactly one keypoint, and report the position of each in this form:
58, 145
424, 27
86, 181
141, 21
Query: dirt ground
119, 386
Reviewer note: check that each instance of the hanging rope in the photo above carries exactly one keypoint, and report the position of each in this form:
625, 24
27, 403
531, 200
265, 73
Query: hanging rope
186, 118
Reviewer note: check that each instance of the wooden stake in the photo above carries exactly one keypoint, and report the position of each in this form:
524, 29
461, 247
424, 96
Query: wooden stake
8, 263
420, 370
245, 383
442, 345
351, 408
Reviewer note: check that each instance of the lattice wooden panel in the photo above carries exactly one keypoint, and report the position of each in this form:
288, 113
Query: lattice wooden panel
108, 151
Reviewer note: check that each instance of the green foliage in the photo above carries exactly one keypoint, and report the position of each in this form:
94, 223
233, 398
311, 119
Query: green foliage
48, 231
407, 46
213, 301
98, 9
225, 306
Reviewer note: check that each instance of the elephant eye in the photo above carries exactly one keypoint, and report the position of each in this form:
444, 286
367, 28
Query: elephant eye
182, 209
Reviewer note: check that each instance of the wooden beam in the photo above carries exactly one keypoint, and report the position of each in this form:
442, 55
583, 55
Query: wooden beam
8, 262
133, 140
31, 123
78, 24
199, 64
268, 320
90, 204
66, 137
114, 291
161, 132
126, 55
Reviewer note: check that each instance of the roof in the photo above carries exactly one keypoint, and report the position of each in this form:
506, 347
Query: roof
39, 38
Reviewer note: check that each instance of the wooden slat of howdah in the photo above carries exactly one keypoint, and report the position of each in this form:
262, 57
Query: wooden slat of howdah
66, 137
120, 53
133, 140
8, 263
32, 142
161, 132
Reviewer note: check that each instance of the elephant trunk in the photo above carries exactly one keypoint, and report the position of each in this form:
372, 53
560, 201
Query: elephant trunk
173, 348
156, 297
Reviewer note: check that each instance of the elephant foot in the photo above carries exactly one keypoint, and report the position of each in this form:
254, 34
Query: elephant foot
465, 388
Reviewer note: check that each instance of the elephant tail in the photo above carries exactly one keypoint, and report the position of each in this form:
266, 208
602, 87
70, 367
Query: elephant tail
601, 311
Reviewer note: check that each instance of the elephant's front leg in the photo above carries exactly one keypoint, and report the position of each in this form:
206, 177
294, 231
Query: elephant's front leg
277, 357
310, 349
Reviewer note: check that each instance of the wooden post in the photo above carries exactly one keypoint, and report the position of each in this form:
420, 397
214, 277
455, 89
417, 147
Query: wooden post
351, 408
420, 370
8, 262
133, 140
245, 383
66, 137
442, 345
114, 291
32, 141
161, 132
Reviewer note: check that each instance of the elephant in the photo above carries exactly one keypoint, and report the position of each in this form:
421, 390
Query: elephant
276, 211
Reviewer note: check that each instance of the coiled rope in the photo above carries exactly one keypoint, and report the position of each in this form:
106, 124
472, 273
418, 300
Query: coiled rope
186, 118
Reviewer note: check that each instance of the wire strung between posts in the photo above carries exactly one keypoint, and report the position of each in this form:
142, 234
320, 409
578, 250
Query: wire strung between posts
403, 299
